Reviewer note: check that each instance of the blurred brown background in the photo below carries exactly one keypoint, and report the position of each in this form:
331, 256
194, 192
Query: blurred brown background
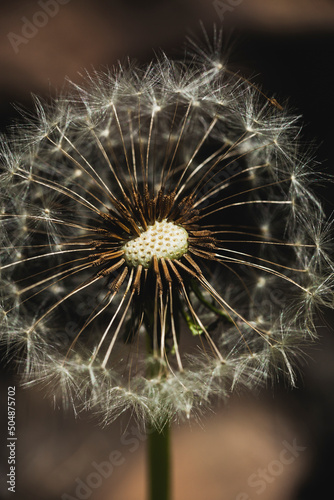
289, 46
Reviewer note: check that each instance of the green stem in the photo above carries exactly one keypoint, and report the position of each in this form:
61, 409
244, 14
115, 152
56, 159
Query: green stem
159, 464
158, 447
210, 306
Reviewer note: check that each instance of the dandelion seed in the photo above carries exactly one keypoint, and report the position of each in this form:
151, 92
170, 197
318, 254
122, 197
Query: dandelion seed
160, 240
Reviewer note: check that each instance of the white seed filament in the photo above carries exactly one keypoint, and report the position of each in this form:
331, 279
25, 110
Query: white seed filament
162, 240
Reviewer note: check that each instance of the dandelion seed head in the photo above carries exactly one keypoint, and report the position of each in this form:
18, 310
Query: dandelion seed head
161, 242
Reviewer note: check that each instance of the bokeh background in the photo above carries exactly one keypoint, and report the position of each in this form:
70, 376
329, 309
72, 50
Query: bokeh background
287, 47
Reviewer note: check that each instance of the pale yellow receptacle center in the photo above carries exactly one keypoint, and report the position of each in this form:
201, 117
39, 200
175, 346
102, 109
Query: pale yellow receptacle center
163, 240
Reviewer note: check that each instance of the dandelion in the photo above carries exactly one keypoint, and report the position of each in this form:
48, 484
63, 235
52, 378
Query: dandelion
161, 242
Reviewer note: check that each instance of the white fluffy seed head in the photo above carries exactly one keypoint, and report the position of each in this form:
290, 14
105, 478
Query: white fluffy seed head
162, 240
